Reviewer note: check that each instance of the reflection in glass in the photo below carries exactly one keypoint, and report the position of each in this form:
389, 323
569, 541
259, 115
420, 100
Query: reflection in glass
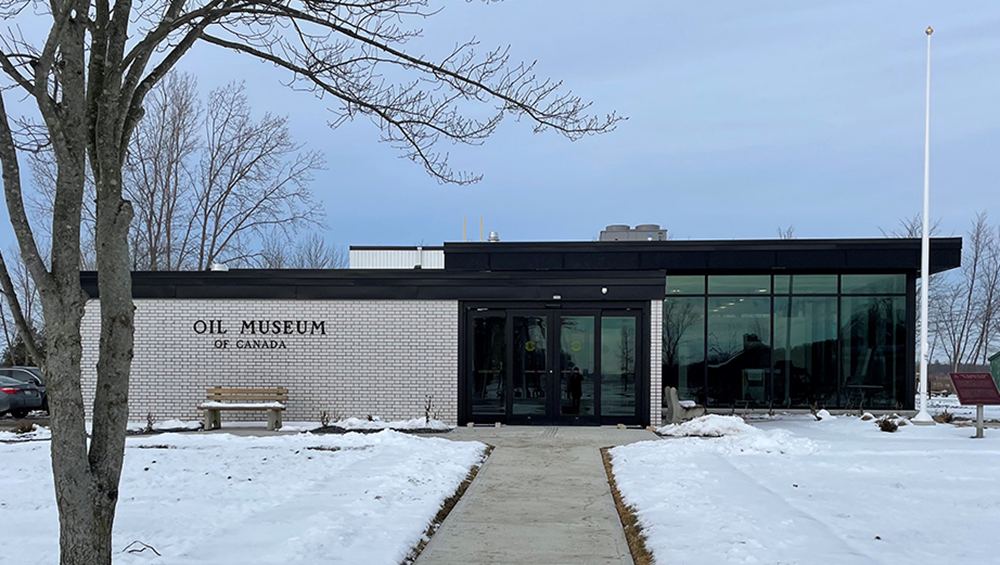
530, 365
805, 351
739, 284
618, 362
873, 341
805, 284
488, 355
739, 353
576, 341
685, 284
873, 284
684, 347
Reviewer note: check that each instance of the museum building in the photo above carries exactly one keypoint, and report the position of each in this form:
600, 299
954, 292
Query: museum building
538, 333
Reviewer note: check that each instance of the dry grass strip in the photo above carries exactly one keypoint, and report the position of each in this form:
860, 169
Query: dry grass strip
446, 507
630, 523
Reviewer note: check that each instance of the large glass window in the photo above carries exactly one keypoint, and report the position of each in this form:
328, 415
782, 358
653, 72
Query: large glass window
873, 284
805, 284
787, 340
684, 284
739, 284
739, 350
684, 346
805, 351
873, 350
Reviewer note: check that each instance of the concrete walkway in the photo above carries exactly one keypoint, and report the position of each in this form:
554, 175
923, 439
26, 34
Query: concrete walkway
541, 498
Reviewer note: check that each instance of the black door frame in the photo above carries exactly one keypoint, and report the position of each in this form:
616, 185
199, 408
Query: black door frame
468, 311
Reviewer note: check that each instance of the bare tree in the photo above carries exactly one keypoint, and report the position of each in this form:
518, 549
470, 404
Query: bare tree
912, 227
967, 307
310, 253
89, 78
195, 200
26, 294
158, 177
314, 253
786, 233
253, 179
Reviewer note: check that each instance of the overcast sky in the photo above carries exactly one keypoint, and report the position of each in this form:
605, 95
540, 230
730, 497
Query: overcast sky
743, 117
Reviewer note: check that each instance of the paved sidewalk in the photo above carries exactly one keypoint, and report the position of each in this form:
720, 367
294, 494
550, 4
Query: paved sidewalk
541, 498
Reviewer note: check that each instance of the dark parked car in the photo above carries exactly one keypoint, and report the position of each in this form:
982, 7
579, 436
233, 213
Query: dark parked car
28, 375
18, 398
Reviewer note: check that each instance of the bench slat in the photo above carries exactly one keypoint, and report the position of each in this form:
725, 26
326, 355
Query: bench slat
243, 408
233, 398
220, 390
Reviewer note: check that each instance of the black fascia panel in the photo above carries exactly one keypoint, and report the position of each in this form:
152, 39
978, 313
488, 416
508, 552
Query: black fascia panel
467, 262
741, 260
149, 291
602, 261
898, 259
674, 260
526, 261
823, 259
235, 291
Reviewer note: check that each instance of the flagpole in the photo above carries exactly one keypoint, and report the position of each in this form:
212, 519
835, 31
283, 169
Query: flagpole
922, 416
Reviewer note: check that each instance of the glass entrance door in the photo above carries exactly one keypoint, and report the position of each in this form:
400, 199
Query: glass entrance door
577, 368
554, 366
530, 371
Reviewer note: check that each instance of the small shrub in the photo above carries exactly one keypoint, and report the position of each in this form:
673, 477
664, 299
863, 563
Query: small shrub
945, 417
324, 419
867, 416
887, 425
24, 427
150, 420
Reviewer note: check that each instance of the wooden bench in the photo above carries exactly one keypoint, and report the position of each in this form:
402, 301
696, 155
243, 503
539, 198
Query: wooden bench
220, 398
680, 410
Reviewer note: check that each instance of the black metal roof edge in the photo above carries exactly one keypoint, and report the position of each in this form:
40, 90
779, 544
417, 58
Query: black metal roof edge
883, 243
395, 247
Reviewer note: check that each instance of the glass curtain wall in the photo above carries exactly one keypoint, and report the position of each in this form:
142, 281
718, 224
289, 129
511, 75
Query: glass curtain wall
790, 341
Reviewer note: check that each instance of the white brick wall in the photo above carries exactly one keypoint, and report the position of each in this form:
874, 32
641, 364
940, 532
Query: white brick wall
378, 357
656, 363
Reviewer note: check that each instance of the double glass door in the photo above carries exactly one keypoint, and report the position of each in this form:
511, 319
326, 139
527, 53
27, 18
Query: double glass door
544, 366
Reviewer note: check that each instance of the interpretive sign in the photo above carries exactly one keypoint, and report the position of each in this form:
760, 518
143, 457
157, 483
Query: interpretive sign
975, 388
995, 367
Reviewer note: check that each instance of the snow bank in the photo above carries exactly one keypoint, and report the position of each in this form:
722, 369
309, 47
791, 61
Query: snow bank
172, 425
819, 492
709, 425
824, 415
414, 424
39, 433
202, 499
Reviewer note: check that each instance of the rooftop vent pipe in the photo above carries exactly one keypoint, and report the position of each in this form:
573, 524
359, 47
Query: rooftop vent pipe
494, 237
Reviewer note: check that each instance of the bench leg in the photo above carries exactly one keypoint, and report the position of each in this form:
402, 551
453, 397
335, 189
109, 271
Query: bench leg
274, 420
213, 419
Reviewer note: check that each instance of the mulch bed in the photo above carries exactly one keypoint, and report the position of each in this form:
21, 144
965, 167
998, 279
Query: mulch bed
630, 523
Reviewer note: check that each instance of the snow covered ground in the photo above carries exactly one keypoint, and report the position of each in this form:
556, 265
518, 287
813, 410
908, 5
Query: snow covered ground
414, 424
799, 491
217, 498
938, 404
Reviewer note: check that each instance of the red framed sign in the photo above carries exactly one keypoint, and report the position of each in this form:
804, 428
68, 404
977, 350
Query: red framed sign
976, 388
